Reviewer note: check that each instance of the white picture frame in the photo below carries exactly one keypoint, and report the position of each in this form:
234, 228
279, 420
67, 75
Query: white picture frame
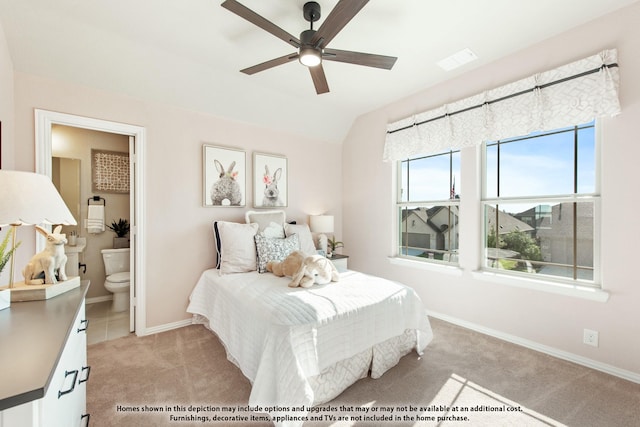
224, 181
270, 180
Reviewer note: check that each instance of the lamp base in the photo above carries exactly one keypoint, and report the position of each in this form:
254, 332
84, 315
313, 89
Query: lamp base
5, 299
322, 243
21, 292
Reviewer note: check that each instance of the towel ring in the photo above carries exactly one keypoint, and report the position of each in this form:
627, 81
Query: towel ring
97, 199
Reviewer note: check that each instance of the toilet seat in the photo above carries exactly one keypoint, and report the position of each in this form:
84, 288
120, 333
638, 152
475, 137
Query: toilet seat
119, 277
118, 282
117, 287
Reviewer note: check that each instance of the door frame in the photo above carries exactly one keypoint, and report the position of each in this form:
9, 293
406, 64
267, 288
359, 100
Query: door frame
44, 120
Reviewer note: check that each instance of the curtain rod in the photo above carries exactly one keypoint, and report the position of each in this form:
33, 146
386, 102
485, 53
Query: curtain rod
513, 95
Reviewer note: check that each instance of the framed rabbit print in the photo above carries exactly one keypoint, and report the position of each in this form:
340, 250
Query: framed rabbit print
224, 176
269, 180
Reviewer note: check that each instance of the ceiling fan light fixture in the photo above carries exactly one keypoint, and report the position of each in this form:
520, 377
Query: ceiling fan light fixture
311, 47
310, 57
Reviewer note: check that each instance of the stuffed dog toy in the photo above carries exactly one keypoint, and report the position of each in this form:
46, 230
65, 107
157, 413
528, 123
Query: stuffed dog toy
305, 271
315, 269
287, 267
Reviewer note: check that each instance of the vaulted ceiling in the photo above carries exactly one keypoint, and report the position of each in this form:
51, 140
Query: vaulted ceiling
189, 53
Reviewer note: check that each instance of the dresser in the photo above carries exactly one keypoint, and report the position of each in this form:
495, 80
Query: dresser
43, 362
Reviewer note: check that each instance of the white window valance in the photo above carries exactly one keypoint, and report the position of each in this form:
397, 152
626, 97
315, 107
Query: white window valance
573, 94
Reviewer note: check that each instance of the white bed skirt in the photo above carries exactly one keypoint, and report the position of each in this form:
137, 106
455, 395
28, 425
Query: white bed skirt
335, 379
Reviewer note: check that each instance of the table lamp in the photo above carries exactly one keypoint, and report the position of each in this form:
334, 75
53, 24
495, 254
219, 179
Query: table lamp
28, 198
322, 224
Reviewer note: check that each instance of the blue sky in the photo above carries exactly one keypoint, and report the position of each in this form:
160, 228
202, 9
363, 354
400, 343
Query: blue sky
531, 167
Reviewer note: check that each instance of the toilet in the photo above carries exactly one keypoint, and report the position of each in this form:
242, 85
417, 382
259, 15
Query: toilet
116, 265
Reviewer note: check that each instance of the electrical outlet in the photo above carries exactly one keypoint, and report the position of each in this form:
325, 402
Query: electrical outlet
590, 337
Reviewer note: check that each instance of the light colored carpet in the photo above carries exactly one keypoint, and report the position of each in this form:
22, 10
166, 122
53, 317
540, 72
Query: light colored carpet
460, 368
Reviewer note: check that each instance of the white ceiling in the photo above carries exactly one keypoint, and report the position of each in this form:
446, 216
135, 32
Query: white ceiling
188, 53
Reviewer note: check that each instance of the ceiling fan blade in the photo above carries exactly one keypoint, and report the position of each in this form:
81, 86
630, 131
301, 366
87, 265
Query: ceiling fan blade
319, 79
341, 14
270, 64
248, 14
359, 58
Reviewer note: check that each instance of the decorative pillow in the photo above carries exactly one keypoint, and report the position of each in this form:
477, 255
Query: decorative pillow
269, 249
304, 236
265, 218
236, 246
216, 238
274, 230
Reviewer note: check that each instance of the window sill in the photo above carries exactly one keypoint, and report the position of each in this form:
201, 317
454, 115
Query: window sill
540, 285
453, 270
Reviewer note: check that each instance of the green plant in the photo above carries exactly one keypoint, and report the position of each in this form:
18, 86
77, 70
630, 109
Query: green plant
6, 256
121, 228
334, 245
524, 244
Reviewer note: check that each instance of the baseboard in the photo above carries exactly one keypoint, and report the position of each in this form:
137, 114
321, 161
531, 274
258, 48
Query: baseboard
163, 328
560, 354
99, 299
599, 366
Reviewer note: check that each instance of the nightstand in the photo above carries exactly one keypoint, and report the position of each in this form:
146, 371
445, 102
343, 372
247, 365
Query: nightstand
340, 261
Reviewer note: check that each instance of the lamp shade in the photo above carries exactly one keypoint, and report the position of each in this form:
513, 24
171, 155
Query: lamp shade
31, 198
321, 223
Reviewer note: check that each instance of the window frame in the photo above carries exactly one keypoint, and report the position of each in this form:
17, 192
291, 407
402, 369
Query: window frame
399, 205
593, 197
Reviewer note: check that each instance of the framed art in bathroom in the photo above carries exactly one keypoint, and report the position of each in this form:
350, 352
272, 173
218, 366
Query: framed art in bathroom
270, 174
224, 176
110, 171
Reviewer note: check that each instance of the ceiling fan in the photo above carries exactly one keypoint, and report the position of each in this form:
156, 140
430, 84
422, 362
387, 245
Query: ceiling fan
312, 44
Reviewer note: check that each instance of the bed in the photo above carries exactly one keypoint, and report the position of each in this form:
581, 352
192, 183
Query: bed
303, 347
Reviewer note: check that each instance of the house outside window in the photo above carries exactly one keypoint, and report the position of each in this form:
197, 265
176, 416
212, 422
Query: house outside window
541, 204
428, 207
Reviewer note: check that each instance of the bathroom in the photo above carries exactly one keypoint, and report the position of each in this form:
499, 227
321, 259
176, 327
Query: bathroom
73, 174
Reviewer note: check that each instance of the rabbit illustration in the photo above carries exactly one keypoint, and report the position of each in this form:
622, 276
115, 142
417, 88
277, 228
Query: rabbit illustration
271, 192
226, 191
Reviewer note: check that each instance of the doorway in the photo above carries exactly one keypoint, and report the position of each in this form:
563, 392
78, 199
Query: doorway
44, 121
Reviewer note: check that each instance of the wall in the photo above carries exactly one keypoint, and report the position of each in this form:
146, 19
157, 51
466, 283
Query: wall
76, 143
178, 240
6, 121
541, 318
6, 102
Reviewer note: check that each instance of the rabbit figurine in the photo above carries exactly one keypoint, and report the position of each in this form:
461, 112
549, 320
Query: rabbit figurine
271, 192
51, 261
226, 191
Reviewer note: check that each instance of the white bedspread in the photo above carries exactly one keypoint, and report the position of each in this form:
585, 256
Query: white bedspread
280, 336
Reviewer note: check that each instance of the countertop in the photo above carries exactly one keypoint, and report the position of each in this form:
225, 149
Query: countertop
81, 244
32, 337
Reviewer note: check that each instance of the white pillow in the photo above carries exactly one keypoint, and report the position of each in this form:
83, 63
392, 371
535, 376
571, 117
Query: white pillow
237, 248
274, 230
304, 237
265, 218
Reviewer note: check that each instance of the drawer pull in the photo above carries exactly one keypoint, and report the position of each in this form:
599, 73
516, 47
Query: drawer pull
73, 384
86, 378
87, 416
86, 325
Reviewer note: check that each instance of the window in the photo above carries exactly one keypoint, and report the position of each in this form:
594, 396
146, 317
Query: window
428, 207
540, 204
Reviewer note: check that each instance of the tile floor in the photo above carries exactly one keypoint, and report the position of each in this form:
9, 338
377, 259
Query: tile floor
104, 324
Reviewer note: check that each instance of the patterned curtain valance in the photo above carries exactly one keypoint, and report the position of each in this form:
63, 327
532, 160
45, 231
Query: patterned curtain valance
569, 95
